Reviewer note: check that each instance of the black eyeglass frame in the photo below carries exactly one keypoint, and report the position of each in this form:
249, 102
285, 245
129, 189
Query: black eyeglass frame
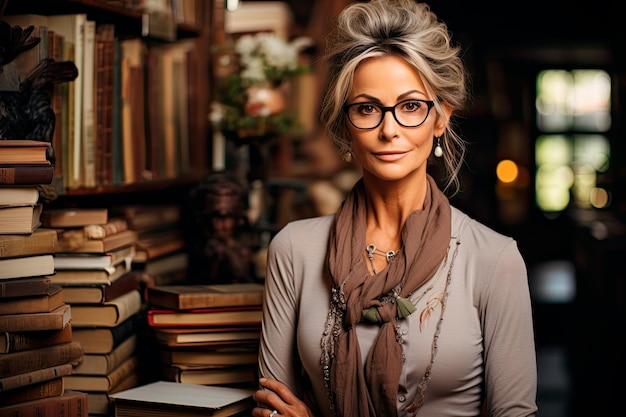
429, 103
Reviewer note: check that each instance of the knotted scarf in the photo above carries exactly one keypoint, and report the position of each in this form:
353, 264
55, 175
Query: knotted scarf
372, 391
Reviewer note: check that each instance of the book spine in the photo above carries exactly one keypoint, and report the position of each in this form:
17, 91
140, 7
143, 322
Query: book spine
42, 242
32, 322
100, 231
21, 288
17, 342
120, 373
70, 404
39, 375
46, 389
26, 175
30, 360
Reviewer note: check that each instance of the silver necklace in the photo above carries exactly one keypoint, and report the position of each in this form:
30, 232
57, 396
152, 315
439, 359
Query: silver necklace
372, 250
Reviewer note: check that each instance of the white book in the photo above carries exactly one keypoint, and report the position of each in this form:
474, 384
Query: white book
28, 266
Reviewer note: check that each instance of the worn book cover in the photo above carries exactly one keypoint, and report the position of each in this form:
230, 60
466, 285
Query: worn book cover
33, 304
11, 174
72, 241
18, 196
35, 391
25, 151
108, 314
209, 375
55, 320
65, 277
24, 287
30, 360
17, 341
101, 403
74, 217
106, 261
20, 220
103, 383
41, 241
187, 297
104, 364
100, 293
104, 339
205, 336
183, 400
33, 377
68, 404
222, 316
27, 266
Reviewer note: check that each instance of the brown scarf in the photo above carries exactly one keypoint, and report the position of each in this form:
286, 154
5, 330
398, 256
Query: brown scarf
353, 390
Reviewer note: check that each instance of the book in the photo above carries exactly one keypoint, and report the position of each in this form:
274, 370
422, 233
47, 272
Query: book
101, 403
27, 266
166, 264
104, 339
158, 244
107, 261
44, 389
103, 383
149, 217
33, 304
33, 377
25, 152
231, 375
45, 357
18, 196
108, 314
17, 341
225, 356
88, 153
24, 287
55, 320
100, 293
205, 336
73, 217
68, 404
221, 316
162, 398
25, 174
41, 241
188, 297
20, 220
73, 241
89, 276
104, 364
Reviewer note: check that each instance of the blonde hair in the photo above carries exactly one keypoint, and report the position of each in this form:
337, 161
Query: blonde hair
407, 29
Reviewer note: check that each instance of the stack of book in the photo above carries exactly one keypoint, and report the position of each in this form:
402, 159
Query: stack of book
161, 255
206, 334
36, 347
93, 266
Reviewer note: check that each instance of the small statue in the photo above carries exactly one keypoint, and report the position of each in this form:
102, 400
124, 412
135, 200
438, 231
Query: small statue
221, 254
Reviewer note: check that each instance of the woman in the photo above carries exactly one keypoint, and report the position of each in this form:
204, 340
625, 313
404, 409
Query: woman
399, 304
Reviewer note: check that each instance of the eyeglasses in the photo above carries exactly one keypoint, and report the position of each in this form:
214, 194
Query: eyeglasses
408, 113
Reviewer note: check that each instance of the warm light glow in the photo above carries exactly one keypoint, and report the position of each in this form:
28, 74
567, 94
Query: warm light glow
231, 5
599, 198
507, 171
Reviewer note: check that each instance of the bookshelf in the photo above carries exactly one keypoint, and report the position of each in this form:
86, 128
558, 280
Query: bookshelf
142, 147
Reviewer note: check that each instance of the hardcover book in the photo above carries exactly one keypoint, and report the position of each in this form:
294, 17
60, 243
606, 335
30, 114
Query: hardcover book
108, 314
45, 357
27, 266
183, 400
206, 336
188, 297
18, 196
33, 377
20, 220
101, 403
100, 293
100, 231
207, 375
222, 316
45, 389
41, 241
25, 151
55, 320
104, 364
106, 261
33, 304
70, 242
17, 341
24, 287
216, 357
11, 174
73, 217
68, 404
103, 340
103, 383
88, 276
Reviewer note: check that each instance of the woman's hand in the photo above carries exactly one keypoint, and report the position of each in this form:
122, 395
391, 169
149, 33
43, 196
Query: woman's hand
279, 400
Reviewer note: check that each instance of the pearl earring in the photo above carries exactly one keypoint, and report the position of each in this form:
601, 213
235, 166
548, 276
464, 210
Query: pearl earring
348, 156
438, 149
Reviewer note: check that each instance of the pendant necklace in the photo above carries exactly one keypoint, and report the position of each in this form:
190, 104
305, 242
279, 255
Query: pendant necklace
372, 250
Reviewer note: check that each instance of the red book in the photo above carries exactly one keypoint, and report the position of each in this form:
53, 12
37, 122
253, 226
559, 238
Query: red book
26, 174
226, 316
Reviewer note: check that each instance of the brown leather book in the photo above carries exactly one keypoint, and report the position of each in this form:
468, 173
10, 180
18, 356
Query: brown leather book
69, 404
24, 287
30, 360
26, 174
17, 341
54, 320
33, 304
45, 389
41, 241
187, 297
100, 293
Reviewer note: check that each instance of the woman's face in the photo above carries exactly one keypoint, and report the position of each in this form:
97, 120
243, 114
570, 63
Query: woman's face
390, 151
